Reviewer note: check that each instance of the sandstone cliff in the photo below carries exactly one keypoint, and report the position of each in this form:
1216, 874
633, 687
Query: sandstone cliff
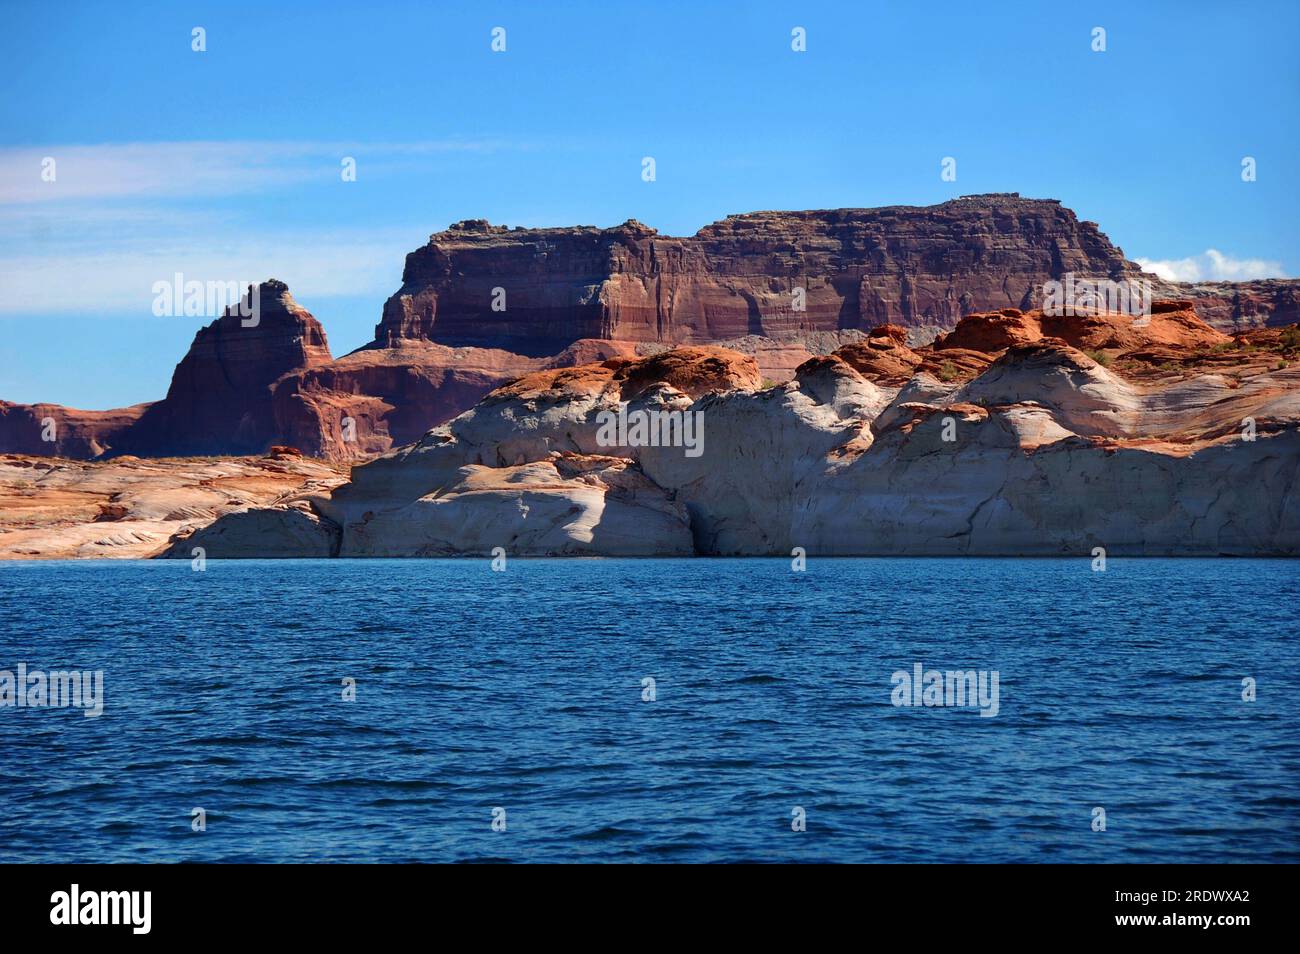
919, 267
481, 305
1165, 437
52, 430
220, 399
132, 508
1238, 306
922, 268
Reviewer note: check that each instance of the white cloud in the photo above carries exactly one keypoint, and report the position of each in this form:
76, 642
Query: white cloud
1212, 266
315, 264
119, 217
187, 169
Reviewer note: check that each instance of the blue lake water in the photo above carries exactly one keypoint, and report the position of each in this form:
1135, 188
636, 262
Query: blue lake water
523, 689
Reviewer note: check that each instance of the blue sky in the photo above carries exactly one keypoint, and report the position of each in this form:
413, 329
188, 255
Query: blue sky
225, 165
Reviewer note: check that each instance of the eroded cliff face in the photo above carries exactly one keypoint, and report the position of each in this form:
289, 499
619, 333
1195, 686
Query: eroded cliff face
374, 399
918, 267
1165, 437
220, 399
52, 430
132, 508
481, 305
1239, 306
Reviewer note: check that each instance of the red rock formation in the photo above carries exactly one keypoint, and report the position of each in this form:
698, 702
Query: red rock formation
220, 399
778, 286
24, 429
1237, 306
128, 507
1033, 448
920, 267
693, 371
883, 357
392, 396
992, 332
370, 400
954, 364
1170, 324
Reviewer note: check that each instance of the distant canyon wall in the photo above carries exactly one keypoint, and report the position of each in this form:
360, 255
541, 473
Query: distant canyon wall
481, 305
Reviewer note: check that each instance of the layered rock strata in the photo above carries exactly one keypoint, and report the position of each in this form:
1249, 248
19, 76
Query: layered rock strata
1018, 434
482, 304
132, 508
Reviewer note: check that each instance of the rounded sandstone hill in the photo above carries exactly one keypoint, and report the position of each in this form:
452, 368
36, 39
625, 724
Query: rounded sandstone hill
694, 371
1171, 324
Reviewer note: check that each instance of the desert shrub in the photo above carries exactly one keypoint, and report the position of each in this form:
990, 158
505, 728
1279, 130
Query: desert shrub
1101, 357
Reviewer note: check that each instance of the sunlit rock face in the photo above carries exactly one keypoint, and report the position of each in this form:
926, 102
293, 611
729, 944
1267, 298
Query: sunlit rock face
1163, 436
769, 274
481, 305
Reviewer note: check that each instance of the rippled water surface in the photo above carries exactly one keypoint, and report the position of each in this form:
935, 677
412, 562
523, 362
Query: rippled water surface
523, 690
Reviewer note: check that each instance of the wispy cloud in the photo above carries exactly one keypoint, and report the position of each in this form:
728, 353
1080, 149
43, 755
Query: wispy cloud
1212, 266
119, 217
313, 263
194, 169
